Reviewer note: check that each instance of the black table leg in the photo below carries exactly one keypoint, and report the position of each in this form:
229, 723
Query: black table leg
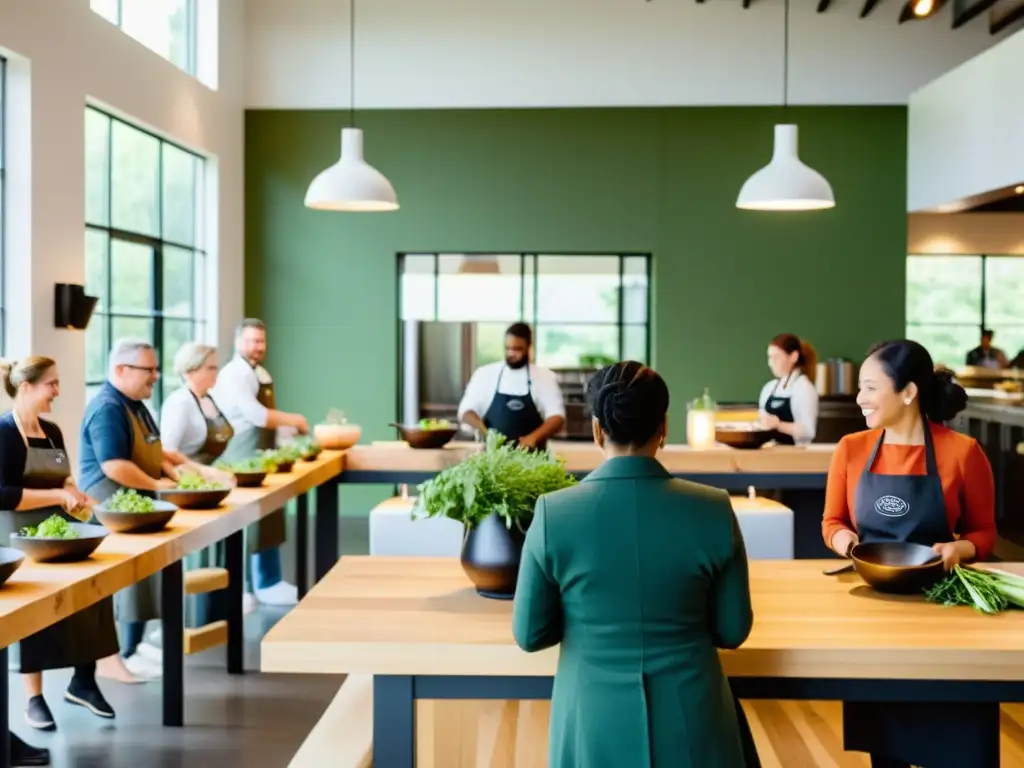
172, 607
5, 734
234, 559
326, 528
394, 722
302, 544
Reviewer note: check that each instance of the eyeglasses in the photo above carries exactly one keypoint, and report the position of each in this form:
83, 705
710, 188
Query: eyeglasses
152, 370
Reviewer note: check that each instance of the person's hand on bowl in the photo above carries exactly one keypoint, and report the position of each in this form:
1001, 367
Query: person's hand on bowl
952, 553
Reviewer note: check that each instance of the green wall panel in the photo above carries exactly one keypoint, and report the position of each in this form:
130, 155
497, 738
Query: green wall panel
662, 181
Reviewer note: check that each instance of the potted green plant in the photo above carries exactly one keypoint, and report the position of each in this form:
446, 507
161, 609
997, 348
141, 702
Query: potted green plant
493, 494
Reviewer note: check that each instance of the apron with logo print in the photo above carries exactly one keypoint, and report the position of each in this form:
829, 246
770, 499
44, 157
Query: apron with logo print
912, 508
781, 406
141, 601
514, 416
88, 634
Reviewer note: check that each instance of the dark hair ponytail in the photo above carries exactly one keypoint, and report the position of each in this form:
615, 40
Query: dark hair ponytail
629, 401
940, 397
807, 358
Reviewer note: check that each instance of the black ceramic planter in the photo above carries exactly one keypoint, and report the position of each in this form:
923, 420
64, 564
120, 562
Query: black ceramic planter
490, 557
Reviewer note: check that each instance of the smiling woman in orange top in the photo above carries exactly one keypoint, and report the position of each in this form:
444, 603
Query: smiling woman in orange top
909, 478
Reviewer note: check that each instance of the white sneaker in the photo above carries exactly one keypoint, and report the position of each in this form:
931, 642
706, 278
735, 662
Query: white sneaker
281, 593
143, 668
150, 653
156, 637
249, 603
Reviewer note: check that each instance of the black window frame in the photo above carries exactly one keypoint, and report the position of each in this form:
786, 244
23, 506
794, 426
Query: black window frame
191, 35
3, 205
155, 314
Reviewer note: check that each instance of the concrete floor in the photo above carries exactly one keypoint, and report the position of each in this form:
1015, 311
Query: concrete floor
249, 720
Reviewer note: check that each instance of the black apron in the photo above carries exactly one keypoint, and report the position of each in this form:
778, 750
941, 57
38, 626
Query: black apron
82, 637
514, 416
271, 531
140, 601
218, 433
912, 508
781, 406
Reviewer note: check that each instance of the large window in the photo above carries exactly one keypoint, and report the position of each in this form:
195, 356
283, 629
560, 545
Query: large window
167, 27
3, 188
585, 310
951, 298
144, 244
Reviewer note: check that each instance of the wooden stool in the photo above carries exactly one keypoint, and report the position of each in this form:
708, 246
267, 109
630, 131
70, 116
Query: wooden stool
343, 738
199, 582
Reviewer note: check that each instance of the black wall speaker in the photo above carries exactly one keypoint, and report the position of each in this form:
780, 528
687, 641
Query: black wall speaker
71, 307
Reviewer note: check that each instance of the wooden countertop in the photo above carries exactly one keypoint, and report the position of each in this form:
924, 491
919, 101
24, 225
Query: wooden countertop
420, 616
397, 456
39, 594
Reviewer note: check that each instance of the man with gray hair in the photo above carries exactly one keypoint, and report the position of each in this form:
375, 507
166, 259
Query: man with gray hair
245, 393
120, 448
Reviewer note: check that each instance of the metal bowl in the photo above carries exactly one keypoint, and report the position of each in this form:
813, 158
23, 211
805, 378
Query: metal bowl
743, 438
194, 499
249, 479
136, 522
897, 566
417, 437
62, 550
10, 561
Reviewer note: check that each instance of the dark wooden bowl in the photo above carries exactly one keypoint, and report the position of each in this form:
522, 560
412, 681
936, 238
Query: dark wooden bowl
136, 522
312, 455
250, 479
186, 499
10, 561
425, 438
62, 550
743, 438
897, 566
284, 467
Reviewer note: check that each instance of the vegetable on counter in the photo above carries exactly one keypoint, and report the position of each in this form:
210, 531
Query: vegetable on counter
192, 481
985, 590
307, 446
286, 454
53, 527
129, 500
247, 466
432, 424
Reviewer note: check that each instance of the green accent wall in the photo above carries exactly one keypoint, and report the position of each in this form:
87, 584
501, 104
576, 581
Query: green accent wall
657, 180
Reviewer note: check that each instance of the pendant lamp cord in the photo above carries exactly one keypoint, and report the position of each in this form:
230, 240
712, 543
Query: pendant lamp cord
352, 60
785, 56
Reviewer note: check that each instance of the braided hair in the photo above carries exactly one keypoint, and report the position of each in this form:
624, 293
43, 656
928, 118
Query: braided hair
629, 401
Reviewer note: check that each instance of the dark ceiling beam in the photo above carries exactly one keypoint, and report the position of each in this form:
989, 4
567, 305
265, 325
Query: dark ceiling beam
823, 5
869, 6
965, 10
998, 24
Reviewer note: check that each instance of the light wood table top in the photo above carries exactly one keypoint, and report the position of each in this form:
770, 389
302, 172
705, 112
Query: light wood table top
421, 616
40, 594
397, 456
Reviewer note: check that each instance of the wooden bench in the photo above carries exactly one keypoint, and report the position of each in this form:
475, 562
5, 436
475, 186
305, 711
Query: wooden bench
343, 737
199, 582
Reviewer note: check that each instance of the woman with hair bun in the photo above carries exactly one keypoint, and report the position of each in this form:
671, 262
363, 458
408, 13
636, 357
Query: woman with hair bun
35, 483
910, 478
789, 402
641, 577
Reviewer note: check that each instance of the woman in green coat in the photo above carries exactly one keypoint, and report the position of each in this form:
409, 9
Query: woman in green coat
641, 578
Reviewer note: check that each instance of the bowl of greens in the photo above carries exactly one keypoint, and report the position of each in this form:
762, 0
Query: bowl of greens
194, 491
128, 511
429, 433
10, 560
308, 447
249, 473
58, 540
283, 458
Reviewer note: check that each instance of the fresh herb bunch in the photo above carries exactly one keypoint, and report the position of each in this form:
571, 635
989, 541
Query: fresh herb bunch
129, 500
502, 478
987, 591
53, 527
307, 446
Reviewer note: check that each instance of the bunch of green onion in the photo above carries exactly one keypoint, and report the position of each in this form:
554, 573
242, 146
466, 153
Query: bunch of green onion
987, 591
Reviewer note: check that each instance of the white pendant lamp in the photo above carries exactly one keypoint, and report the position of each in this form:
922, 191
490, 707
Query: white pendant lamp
786, 183
351, 184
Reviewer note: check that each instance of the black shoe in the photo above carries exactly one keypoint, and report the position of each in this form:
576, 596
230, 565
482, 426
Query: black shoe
91, 698
24, 755
38, 714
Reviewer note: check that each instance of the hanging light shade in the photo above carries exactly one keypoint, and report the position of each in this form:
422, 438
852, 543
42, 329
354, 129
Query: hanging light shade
786, 183
351, 184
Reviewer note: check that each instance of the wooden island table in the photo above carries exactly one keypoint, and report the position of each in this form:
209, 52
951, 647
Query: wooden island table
417, 626
40, 594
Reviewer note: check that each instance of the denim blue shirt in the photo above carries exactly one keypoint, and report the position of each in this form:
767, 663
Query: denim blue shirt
107, 432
